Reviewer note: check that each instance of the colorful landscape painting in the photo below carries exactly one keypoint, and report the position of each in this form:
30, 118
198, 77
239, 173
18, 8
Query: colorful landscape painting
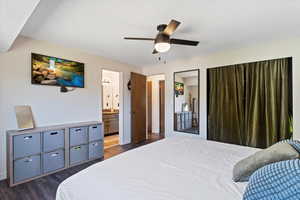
47, 70
179, 88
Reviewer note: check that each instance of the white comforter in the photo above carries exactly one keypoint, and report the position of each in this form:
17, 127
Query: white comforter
176, 168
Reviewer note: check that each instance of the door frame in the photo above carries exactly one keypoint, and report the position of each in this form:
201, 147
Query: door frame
149, 75
149, 107
162, 103
121, 106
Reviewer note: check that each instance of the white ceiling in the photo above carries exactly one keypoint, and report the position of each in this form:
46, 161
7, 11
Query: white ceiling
98, 27
13, 16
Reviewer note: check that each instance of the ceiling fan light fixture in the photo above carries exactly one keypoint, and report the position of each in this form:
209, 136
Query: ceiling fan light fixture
162, 47
162, 43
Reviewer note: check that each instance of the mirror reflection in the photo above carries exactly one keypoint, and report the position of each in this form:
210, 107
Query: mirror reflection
186, 101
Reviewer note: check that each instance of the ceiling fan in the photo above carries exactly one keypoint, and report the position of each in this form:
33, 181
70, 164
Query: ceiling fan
162, 41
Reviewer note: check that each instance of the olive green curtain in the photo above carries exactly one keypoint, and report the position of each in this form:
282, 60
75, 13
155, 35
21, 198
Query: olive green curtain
226, 104
267, 102
250, 104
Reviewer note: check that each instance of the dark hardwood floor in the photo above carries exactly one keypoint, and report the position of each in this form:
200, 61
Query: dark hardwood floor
45, 188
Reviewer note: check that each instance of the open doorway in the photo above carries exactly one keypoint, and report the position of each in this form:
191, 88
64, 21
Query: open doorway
111, 107
156, 106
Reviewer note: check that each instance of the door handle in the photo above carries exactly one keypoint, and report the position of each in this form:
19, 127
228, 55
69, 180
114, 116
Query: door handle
54, 133
54, 154
27, 137
28, 160
77, 148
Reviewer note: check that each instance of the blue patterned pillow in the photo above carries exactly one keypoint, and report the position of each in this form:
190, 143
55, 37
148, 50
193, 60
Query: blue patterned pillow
293, 143
277, 181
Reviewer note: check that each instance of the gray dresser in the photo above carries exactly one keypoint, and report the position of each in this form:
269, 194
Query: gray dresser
41, 151
183, 120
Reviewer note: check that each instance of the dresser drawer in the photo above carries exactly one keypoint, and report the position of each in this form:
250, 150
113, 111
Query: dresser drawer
78, 136
27, 168
186, 115
78, 154
26, 145
53, 161
53, 140
188, 124
95, 133
96, 149
178, 126
183, 125
182, 116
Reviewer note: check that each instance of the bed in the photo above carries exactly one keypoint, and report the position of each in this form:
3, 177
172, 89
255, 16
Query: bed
175, 168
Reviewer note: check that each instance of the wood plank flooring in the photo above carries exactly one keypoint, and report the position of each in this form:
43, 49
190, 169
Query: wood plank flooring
111, 140
45, 188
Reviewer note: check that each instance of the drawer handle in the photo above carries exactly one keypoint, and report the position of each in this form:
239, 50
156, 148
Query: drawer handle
94, 127
54, 154
78, 129
54, 133
77, 148
28, 160
95, 144
27, 137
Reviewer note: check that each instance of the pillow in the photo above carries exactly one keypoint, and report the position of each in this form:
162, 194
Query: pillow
277, 152
294, 143
277, 181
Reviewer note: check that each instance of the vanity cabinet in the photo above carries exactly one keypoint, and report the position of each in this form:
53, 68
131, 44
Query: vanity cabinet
111, 123
41, 151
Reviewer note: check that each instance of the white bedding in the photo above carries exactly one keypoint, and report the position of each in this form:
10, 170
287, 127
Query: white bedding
176, 168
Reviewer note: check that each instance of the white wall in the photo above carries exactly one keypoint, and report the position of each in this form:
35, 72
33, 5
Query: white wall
155, 100
49, 106
256, 52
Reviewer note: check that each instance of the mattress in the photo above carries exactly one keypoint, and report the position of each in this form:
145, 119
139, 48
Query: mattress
175, 168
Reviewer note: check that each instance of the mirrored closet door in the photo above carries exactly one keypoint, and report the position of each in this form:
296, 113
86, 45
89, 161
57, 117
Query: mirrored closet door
186, 101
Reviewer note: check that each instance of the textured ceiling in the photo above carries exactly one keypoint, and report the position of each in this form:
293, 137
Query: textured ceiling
98, 27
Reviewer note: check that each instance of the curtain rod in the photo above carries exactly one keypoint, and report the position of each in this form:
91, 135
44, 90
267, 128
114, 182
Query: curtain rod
232, 65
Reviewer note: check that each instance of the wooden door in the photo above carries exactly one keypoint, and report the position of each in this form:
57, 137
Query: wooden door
162, 108
149, 106
138, 108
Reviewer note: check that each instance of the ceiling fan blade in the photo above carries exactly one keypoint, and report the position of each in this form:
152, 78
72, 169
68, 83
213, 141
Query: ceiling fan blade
172, 26
184, 42
135, 38
154, 51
